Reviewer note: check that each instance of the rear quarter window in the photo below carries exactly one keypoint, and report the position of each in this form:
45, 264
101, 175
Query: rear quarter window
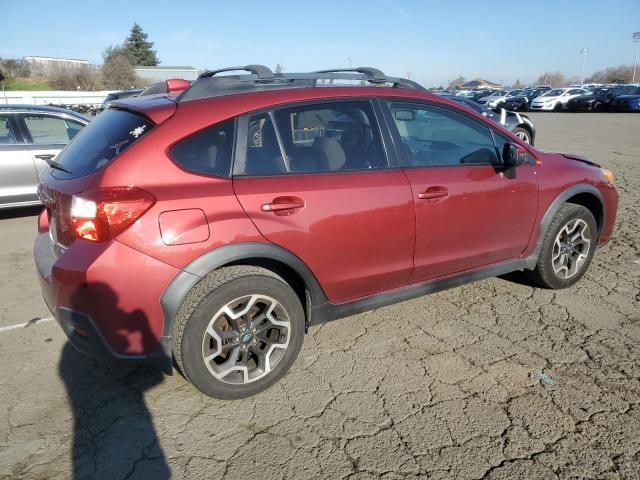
110, 134
207, 152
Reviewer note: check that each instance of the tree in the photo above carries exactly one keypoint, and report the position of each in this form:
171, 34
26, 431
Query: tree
84, 77
457, 83
279, 68
621, 73
117, 71
555, 79
518, 84
139, 49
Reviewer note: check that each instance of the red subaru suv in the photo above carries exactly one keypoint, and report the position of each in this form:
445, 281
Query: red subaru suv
212, 228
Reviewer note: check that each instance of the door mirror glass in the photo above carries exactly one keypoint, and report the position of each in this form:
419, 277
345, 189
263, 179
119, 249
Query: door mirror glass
405, 115
513, 155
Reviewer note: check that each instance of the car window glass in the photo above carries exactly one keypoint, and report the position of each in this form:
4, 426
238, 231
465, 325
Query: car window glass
7, 135
314, 139
208, 151
435, 136
48, 130
102, 140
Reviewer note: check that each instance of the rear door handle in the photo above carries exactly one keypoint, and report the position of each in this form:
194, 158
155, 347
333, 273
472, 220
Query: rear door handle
433, 193
280, 204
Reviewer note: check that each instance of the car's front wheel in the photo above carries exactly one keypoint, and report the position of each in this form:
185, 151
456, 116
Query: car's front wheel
238, 332
523, 134
567, 248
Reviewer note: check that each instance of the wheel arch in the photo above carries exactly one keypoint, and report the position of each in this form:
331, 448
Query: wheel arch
582, 194
260, 254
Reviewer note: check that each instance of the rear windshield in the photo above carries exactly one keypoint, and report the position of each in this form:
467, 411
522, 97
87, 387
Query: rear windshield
110, 134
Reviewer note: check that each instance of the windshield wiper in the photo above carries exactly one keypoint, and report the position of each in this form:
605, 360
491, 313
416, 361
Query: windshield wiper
52, 163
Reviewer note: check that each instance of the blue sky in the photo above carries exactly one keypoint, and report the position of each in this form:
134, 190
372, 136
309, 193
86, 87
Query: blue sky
434, 40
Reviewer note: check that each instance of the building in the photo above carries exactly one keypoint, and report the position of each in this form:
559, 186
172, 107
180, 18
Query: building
480, 84
160, 74
44, 65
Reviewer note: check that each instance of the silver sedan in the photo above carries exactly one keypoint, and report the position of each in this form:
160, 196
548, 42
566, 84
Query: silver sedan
30, 137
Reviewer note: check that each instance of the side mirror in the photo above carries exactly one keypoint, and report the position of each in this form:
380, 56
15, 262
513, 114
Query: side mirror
513, 155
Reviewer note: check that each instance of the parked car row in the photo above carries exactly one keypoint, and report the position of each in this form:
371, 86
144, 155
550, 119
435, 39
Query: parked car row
576, 98
518, 124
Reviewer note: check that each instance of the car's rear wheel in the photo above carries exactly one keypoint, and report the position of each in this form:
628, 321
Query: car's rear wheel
238, 332
567, 248
523, 134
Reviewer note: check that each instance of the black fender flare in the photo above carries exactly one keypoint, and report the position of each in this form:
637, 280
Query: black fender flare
198, 268
532, 260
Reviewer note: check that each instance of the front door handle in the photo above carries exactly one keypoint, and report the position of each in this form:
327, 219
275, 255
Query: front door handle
433, 193
45, 156
281, 204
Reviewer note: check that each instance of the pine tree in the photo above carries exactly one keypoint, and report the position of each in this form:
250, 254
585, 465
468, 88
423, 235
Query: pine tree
139, 49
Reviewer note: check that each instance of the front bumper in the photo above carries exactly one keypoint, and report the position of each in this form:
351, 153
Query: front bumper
541, 107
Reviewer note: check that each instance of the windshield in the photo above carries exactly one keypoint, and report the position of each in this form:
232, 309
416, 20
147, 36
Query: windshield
513, 93
111, 133
553, 93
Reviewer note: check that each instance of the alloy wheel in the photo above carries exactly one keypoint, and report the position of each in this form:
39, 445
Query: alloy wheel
246, 339
571, 248
524, 136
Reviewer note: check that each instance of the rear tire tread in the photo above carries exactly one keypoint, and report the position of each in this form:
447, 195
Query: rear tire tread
200, 291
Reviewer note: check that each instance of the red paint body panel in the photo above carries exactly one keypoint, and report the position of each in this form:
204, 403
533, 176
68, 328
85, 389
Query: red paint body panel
180, 227
115, 285
355, 232
473, 225
360, 233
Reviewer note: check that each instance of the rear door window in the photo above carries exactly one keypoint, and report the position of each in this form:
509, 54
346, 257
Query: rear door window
50, 130
110, 134
316, 138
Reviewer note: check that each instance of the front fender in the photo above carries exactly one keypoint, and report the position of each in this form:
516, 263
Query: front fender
532, 259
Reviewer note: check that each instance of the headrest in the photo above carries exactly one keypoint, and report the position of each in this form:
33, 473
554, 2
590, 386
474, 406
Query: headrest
332, 150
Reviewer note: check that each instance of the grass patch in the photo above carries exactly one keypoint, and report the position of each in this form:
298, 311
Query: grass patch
27, 84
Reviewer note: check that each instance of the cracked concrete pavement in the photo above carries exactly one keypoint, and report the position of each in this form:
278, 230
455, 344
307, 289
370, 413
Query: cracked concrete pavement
492, 380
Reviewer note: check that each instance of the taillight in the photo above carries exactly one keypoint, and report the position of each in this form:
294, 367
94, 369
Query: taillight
100, 215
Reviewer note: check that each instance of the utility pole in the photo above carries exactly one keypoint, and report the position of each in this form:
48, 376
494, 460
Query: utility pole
636, 39
409, 75
349, 62
584, 52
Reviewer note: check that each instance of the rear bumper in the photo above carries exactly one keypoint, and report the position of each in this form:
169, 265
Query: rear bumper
93, 300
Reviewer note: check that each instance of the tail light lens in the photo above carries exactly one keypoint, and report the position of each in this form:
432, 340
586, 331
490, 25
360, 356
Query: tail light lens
100, 215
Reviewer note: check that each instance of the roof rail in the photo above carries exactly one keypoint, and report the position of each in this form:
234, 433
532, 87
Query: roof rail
373, 74
262, 78
260, 71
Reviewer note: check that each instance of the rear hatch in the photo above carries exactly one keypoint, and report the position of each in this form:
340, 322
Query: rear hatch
80, 165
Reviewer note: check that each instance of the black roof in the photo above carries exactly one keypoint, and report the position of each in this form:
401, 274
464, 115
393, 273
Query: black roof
260, 78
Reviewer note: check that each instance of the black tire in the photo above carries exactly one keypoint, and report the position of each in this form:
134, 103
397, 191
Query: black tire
522, 132
209, 296
544, 274
557, 107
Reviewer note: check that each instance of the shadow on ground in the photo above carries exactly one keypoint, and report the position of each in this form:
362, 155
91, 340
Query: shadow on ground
20, 212
113, 432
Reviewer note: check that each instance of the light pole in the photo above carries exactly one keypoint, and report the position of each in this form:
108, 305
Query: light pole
584, 52
636, 39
